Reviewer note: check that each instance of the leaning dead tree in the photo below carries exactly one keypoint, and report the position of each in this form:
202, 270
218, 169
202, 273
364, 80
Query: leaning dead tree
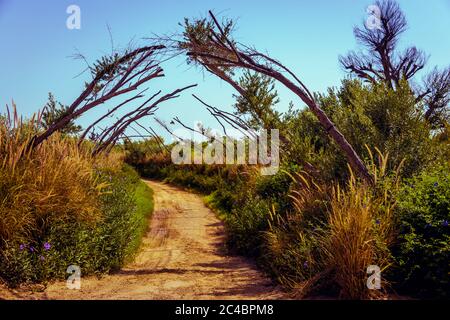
382, 63
113, 77
210, 44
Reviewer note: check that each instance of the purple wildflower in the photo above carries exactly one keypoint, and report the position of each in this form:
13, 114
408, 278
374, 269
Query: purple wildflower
378, 221
436, 184
31, 248
41, 258
47, 246
22, 247
305, 265
445, 223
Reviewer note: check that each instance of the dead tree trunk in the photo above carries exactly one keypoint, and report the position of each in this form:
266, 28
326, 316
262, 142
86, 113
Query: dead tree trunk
213, 48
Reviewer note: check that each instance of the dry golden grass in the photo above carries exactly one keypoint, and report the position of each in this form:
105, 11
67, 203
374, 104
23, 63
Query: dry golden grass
56, 181
361, 231
352, 244
357, 232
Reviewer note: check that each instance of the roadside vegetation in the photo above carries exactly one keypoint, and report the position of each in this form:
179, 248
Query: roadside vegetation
363, 179
316, 232
319, 223
61, 206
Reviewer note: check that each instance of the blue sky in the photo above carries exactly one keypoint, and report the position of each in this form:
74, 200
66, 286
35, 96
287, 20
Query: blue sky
306, 36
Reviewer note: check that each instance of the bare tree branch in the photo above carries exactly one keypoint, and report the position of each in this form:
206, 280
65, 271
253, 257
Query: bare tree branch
111, 135
382, 64
118, 71
220, 58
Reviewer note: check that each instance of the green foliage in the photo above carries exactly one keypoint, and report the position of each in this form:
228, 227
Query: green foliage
275, 189
389, 120
367, 115
292, 252
143, 199
191, 179
54, 111
136, 151
423, 250
197, 34
109, 66
245, 225
258, 102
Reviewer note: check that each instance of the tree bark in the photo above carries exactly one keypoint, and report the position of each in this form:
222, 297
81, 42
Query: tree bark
329, 127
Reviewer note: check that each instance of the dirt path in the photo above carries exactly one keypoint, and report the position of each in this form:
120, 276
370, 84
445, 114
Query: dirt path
182, 257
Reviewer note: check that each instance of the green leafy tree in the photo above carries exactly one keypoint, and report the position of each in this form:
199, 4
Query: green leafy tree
386, 118
373, 115
257, 104
54, 111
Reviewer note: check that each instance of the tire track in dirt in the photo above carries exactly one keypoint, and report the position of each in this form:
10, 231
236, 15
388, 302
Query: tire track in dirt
182, 256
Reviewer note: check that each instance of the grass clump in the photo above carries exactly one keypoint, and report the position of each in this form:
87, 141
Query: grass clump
60, 206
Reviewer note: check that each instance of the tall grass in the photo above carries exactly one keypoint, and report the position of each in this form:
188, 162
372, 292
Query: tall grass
313, 236
59, 205
334, 234
358, 236
362, 229
53, 183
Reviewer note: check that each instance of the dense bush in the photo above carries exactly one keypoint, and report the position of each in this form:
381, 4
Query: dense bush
374, 116
292, 242
246, 224
249, 215
333, 234
423, 252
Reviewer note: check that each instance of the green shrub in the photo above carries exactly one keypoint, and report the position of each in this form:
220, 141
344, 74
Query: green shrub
273, 186
292, 253
423, 252
143, 199
222, 200
372, 115
245, 226
96, 247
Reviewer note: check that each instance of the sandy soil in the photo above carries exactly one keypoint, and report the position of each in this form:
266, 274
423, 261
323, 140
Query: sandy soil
182, 256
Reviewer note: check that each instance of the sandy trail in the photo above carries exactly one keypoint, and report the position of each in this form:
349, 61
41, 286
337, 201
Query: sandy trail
182, 256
